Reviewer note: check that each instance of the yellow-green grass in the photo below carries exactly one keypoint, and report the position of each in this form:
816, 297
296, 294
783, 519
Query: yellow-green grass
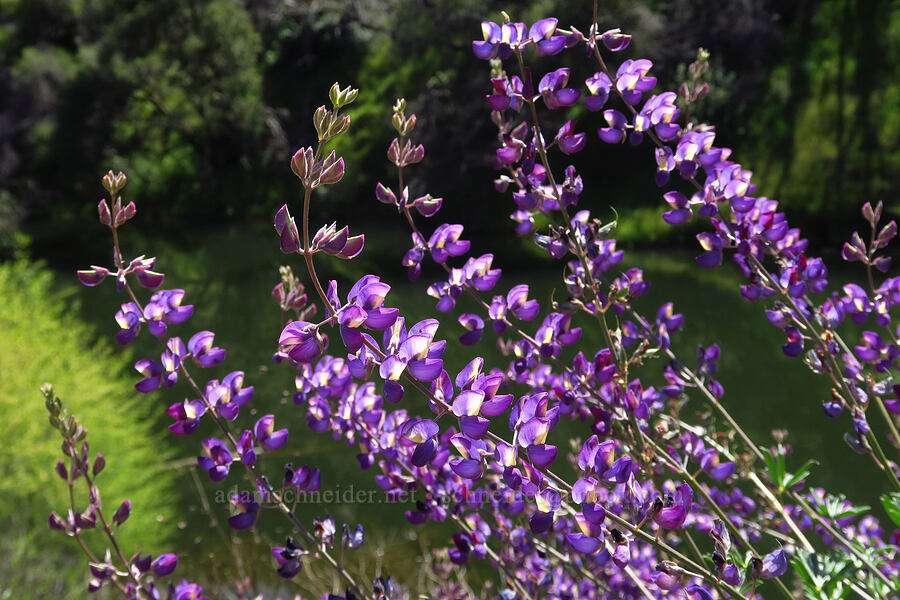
40, 341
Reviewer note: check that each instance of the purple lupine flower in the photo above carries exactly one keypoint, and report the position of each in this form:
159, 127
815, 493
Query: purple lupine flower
324, 529
507, 94
247, 511
712, 244
474, 326
875, 350
245, 447
545, 43
202, 350
553, 90
794, 345
598, 85
665, 162
615, 133
569, 142
187, 416
122, 513
142, 267
304, 479
189, 591
774, 564
718, 471
479, 274
289, 558
675, 509
615, 40
632, 79
229, 396
499, 41
518, 304
415, 351
218, 459
152, 373
129, 318
265, 433
660, 113
302, 341
681, 210
352, 539
445, 242
337, 242
165, 308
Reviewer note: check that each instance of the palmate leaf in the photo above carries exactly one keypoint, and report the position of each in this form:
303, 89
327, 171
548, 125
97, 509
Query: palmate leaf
823, 575
834, 508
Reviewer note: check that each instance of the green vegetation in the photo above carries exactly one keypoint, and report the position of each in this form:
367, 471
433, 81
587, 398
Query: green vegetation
43, 341
202, 101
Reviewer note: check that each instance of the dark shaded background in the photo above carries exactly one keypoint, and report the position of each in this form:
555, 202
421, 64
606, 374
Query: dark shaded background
202, 102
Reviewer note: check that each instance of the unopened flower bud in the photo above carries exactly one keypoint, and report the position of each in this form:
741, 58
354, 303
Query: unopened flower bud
122, 513
332, 170
393, 152
129, 211
320, 118
347, 96
409, 125
103, 211
301, 163
287, 231
872, 215
164, 565
54, 521
61, 470
141, 563
334, 94
384, 194
99, 464
339, 125
109, 182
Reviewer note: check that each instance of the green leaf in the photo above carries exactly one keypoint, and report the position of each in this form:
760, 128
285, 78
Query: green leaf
891, 504
800, 475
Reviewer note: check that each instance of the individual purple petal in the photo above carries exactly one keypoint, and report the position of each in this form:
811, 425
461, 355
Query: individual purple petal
467, 375
424, 453
540, 522
467, 468
426, 369
468, 402
583, 543
474, 426
698, 591
497, 405
393, 391
774, 564
419, 430
542, 29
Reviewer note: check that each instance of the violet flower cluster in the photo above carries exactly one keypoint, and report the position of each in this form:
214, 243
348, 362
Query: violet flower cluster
666, 501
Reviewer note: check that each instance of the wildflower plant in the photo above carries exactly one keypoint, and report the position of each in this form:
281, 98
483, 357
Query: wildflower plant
662, 504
